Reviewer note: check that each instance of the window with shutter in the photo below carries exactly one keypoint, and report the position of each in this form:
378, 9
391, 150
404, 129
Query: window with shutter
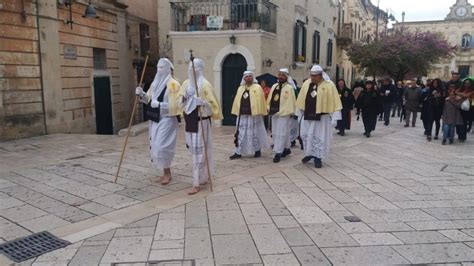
329, 53
299, 44
316, 47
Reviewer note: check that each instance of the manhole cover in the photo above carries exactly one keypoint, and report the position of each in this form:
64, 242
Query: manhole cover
158, 263
31, 246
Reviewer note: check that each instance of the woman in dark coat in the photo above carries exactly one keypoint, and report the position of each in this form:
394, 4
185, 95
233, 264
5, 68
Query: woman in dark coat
347, 99
433, 102
437, 103
467, 92
370, 103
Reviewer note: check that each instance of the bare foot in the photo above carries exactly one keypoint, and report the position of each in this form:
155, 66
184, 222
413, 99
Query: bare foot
165, 180
156, 178
194, 190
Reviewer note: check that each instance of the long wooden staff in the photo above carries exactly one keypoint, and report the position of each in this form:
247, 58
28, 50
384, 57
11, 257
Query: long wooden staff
200, 120
131, 120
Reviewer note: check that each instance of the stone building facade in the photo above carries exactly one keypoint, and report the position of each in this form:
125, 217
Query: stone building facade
258, 35
358, 24
458, 29
60, 77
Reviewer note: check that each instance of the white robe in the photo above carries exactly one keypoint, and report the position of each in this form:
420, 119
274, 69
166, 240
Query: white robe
294, 130
281, 133
163, 138
196, 144
317, 136
252, 134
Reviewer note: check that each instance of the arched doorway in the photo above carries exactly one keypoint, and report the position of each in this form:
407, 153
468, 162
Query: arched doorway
232, 69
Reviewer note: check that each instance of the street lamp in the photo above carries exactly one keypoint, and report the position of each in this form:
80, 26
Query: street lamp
403, 20
377, 22
90, 11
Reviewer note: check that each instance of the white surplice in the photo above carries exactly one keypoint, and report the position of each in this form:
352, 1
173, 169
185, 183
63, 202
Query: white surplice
252, 134
317, 135
281, 133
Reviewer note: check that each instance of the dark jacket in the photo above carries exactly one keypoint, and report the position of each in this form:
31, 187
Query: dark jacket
457, 83
412, 99
347, 98
452, 112
399, 94
433, 102
388, 93
369, 101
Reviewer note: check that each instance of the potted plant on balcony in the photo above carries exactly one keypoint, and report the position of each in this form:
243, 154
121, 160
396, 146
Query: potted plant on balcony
226, 25
255, 21
242, 24
203, 22
190, 25
300, 58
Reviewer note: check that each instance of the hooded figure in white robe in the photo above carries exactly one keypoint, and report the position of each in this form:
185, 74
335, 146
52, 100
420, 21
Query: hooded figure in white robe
200, 107
163, 113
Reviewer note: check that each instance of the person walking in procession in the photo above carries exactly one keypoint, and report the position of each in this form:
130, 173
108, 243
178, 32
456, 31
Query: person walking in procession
266, 92
398, 99
162, 111
320, 105
370, 104
451, 114
281, 106
433, 102
347, 100
411, 98
387, 91
250, 107
455, 79
466, 92
198, 112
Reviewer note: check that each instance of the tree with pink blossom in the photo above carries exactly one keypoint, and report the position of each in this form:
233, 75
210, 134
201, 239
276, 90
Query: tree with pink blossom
402, 54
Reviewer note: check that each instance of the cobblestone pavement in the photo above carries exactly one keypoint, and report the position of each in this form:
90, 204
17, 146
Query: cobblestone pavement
390, 199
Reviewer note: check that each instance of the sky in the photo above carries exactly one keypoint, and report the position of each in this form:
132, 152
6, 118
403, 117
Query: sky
418, 10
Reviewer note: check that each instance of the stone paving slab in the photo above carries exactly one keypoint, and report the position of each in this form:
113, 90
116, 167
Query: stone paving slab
413, 201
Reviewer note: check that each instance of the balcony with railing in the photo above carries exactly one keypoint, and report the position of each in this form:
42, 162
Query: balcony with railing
218, 15
345, 36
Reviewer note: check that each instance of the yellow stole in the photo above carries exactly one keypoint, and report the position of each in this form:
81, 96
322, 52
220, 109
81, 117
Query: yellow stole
209, 96
327, 100
257, 100
287, 100
173, 89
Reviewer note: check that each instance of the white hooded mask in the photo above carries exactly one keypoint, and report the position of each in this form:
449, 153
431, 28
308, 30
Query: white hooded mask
162, 76
199, 70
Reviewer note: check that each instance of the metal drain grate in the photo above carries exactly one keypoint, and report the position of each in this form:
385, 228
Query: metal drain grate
190, 262
31, 246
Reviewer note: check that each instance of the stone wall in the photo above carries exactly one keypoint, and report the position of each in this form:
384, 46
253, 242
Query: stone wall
21, 105
54, 93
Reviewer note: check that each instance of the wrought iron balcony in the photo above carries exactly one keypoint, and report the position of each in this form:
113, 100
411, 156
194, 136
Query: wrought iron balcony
212, 15
345, 36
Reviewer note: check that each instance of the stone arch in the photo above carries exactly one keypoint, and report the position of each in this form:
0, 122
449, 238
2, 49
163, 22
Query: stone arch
219, 60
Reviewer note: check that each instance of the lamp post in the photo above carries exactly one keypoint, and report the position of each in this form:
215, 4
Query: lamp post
377, 21
403, 20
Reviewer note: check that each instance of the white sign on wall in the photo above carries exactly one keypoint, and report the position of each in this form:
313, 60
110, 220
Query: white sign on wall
216, 22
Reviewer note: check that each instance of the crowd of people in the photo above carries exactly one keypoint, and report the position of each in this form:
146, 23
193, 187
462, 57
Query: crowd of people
307, 114
449, 104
